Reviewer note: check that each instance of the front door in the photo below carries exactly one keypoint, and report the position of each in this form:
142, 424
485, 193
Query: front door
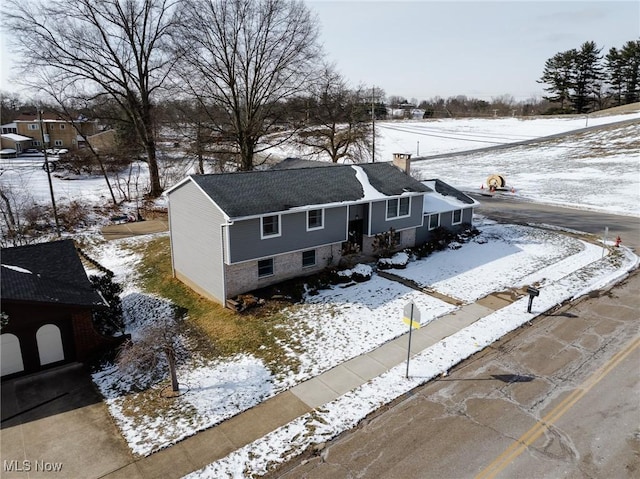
356, 228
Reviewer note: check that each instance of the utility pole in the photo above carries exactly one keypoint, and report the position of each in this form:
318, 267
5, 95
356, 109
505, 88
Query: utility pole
373, 124
45, 141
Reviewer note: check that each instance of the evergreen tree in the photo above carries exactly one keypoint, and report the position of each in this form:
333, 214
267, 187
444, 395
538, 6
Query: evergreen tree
109, 321
587, 77
615, 73
630, 54
558, 74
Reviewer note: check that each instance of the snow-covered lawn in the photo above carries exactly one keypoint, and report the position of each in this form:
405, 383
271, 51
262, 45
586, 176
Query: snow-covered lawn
345, 412
353, 318
500, 258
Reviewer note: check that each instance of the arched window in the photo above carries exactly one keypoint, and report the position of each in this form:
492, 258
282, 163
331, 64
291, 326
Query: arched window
11, 360
49, 342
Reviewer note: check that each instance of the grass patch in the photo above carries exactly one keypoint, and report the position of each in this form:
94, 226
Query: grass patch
217, 331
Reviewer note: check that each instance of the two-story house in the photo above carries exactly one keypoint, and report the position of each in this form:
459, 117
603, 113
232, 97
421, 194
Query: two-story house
59, 132
236, 232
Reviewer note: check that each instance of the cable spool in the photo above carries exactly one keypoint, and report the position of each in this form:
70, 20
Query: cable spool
496, 181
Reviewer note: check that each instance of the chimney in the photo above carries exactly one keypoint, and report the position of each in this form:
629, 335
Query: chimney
403, 161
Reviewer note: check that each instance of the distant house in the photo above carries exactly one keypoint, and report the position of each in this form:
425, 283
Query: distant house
8, 128
60, 133
47, 306
12, 144
236, 232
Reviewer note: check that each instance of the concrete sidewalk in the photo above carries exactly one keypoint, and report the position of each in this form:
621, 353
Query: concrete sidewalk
135, 228
214, 443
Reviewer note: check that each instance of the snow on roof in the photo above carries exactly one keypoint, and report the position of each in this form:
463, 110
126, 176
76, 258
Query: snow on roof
16, 268
274, 191
16, 137
370, 193
435, 202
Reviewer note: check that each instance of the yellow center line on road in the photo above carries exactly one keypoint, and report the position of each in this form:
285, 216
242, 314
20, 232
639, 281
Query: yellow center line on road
528, 438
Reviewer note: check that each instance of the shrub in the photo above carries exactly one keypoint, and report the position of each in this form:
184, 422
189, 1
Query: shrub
108, 321
385, 244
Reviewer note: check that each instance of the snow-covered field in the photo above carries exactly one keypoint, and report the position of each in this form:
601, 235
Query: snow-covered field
599, 170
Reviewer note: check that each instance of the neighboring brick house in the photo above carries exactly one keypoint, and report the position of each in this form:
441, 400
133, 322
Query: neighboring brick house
236, 232
61, 133
49, 302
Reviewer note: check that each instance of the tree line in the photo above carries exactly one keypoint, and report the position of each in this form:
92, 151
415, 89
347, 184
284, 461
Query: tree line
583, 79
235, 59
227, 79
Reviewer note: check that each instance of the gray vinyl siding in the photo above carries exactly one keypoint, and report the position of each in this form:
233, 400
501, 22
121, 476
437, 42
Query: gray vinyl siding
423, 234
197, 241
245, 242
380, 224
467, 215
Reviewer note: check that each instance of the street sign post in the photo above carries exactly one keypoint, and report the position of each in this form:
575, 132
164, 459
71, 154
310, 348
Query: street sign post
411, 316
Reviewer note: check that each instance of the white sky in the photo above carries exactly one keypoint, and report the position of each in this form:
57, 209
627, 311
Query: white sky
480, 49
421, 49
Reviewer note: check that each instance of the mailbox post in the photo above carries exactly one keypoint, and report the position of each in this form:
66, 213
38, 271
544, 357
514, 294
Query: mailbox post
533, 292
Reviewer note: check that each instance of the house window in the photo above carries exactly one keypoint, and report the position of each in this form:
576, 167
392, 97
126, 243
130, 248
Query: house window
434, 221
57, 143
62, 126
399, 207
308, 258
315, 220
270, 226
265, 267
457, 217
33, 126
36, 143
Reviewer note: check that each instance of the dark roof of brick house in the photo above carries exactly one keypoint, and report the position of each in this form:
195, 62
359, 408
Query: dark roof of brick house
49, 117
268, 191
46, 273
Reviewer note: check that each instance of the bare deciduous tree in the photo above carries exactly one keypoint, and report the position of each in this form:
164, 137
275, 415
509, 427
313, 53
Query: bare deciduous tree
16, 206
66, 98
339, 120
106, 47
241, 59
156, 343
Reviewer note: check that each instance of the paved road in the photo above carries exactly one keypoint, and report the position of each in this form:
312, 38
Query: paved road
558, 398
513, 210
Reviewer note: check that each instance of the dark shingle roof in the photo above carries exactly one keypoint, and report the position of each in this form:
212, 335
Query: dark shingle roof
447, 190
268, 191
289, 163
54, 274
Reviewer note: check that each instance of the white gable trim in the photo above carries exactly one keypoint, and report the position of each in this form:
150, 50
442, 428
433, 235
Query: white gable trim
188, 179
